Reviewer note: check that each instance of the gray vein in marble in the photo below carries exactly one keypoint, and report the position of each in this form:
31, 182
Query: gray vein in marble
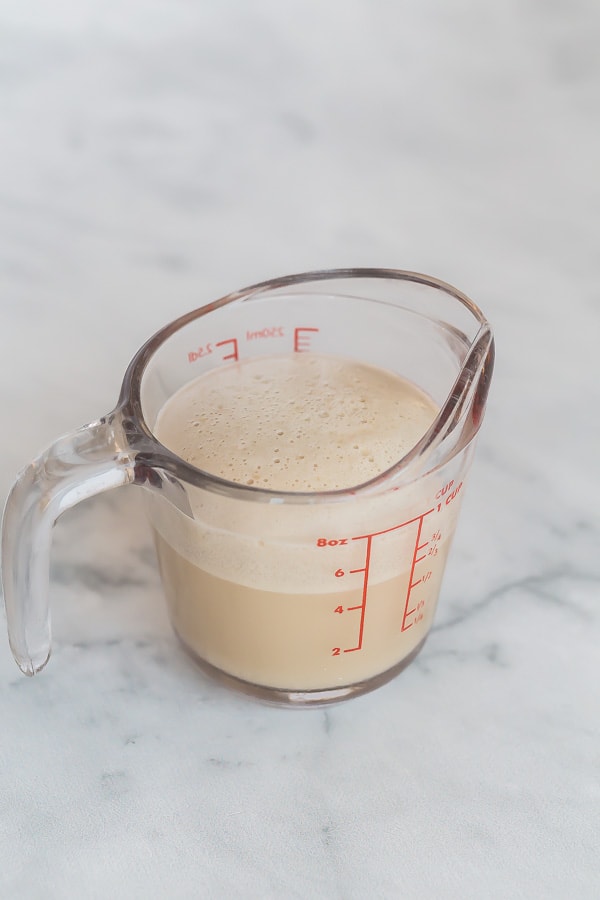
539, 586
96, 578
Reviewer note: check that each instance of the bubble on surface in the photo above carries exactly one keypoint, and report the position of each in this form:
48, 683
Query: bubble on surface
300, 422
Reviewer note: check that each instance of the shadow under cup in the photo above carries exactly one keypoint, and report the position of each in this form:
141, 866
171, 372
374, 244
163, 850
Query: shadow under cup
307, 598
297, 598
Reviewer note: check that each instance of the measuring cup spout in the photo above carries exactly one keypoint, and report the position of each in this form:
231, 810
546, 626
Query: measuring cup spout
466, 401
91, 460
461, 414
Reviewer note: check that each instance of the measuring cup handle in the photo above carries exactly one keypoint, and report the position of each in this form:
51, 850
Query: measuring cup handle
91, 460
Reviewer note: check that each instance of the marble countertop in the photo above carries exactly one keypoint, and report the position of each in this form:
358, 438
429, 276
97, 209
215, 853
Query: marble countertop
158, 154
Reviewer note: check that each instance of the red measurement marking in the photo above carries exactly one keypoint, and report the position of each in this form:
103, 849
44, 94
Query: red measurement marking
363, 604
302, 339
411, 585
365, 571
443, 491
361, 537
233, 355
200, 352
276, 331
333, 542
454, 494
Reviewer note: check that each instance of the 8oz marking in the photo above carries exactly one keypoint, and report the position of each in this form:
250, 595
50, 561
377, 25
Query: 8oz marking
331, 542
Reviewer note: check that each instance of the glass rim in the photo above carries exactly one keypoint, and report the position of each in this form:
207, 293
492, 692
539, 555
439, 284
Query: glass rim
154, 454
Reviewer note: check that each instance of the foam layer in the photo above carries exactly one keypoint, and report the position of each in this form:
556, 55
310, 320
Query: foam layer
298, 422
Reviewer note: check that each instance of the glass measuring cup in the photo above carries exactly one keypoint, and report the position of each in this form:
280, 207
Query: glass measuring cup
292, 597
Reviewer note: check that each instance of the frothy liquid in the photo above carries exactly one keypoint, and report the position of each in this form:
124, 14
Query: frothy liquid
299, 422
301, 597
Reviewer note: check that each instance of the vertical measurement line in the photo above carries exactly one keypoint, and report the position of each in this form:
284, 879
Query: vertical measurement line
360, 537
363, 606
407, 612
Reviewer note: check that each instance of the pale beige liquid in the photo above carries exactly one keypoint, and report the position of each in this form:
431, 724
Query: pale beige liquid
269, 608
294, 641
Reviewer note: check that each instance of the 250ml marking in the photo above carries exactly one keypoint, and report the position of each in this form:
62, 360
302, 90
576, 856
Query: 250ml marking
301, 342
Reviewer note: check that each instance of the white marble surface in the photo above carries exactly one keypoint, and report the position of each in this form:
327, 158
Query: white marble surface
157, 153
